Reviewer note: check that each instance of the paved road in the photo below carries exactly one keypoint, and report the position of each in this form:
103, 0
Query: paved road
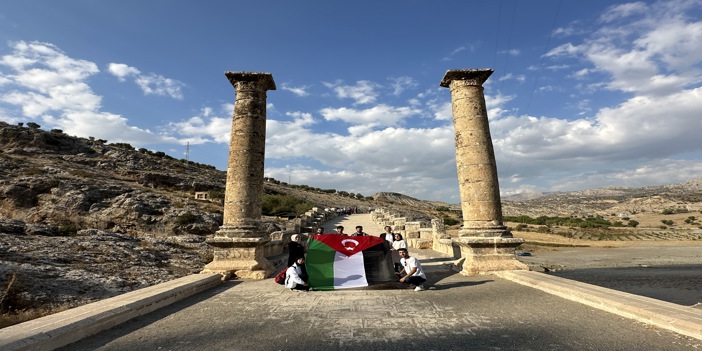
456, 313
351, 221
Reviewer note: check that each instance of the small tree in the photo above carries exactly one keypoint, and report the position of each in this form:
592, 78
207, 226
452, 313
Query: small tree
33, 125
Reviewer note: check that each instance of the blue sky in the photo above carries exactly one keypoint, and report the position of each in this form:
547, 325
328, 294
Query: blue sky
585, 94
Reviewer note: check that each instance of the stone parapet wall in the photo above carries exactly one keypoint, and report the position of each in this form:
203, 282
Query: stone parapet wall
412, 230
417, 236
304, 225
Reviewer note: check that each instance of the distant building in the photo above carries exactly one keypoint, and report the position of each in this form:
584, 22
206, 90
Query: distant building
202, 195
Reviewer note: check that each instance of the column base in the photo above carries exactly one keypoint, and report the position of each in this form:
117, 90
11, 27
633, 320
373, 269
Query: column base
485, 232
484, 255
240, 257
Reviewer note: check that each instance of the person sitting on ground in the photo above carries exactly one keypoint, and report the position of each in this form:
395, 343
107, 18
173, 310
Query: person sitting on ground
413, 272
340, 230
295, 278
319, 231
296, 249
359, 231
388, 235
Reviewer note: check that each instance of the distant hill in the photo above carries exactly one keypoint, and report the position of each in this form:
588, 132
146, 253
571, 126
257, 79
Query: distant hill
608, 200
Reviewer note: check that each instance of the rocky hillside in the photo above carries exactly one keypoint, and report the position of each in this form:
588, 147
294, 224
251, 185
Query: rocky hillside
607, 201
82, 219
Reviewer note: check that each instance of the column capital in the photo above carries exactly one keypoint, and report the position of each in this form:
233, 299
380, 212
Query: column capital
263, 77
476, 76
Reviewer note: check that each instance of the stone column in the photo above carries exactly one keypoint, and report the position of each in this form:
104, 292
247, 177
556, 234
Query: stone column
238, 242
486, 244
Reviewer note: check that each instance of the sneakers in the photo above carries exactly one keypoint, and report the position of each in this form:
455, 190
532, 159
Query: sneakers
419, 287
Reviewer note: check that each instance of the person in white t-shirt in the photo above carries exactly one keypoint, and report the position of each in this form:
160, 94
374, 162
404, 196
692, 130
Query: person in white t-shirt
397, 244
388, 235
413, 272
295, 277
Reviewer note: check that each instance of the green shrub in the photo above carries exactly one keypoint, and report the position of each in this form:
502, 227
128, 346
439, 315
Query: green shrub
125, 146
451, 221
284, 205
67, 229
186, 218
215, 194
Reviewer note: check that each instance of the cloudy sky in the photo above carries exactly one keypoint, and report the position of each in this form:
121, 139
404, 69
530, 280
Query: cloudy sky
585, 94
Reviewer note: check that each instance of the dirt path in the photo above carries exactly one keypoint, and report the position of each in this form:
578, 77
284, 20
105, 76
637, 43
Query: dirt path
349, 222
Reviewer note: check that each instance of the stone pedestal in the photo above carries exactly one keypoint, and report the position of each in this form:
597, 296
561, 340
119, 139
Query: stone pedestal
238, 244
484, 255
240, 256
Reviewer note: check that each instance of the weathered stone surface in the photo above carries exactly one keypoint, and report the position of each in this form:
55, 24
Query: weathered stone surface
485, 243
238, 244
475, 157
484, 255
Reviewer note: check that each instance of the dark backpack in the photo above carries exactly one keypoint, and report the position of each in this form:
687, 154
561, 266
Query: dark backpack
280, 277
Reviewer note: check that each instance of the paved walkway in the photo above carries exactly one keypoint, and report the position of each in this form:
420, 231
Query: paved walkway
456, 313
351, 221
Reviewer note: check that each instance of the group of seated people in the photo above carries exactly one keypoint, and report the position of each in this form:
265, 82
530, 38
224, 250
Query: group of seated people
408, 268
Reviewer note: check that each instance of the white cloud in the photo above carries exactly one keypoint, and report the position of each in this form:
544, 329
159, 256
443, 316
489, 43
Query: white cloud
150, 84
299, 91
623, 10
379, 115
656, 53
401, 84
206, 127
511, 52
362, 93
159, 85
564, 49
122, 71
650, 52
510, 76
50, 86
453, 53
641, 129
410, 161
661, 171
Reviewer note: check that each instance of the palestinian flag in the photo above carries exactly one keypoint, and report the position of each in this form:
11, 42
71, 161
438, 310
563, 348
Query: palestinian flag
341, 262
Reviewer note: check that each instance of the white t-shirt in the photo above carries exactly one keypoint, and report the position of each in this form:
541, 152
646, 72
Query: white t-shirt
399, 244
292, 276
390, 237
411, 263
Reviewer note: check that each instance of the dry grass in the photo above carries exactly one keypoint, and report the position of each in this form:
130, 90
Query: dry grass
8, 319
536, 238
647, 234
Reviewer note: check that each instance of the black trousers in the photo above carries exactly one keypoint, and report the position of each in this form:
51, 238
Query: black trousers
301, 287
415, 280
